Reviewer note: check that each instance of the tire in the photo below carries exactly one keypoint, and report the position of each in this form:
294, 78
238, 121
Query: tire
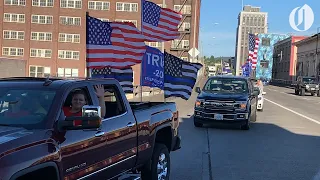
246, 126
197, 124
260, 110
160, 153
318, 93
312, 94
296, 92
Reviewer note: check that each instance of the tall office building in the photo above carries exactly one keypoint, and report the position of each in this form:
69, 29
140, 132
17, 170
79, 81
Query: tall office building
250, 20
50, 35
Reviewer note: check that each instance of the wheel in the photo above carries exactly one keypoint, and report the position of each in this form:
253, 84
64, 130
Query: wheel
261, 110
246, 126
160, 164
296, 92
312, 94
197, 124
318, 93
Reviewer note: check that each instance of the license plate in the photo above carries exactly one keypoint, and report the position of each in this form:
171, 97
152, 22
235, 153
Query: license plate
218, 116
312, 89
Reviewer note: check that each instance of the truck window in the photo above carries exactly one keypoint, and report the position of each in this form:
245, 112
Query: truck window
114, 102
77, 98
26, 108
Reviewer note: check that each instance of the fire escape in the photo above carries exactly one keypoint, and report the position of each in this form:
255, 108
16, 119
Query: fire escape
178, 45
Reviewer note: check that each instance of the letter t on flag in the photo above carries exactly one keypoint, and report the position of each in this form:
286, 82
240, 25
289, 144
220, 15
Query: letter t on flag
152, 72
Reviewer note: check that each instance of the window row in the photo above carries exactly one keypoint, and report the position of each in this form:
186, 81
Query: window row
41, 53
41, 36
41, 71
41, 19
77, 4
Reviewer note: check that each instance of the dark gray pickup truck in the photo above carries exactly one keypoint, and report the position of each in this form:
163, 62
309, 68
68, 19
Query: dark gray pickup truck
37, 141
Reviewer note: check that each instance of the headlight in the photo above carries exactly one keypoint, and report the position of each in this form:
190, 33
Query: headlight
307, 86
199, 102
242, 104
317, 86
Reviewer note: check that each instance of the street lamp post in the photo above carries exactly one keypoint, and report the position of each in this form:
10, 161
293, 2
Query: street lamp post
316, 61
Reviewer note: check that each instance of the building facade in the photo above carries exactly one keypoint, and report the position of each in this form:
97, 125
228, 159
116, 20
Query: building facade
50, 35
285, 58
250, 20
307, 58
265, 54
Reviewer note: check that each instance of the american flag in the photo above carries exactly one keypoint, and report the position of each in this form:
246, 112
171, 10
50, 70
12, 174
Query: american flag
124, 76
159, 24
115, 44
253, 50
179, 76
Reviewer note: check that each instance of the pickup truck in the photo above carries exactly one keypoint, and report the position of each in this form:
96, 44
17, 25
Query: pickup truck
132, 137
226, 99
306, 84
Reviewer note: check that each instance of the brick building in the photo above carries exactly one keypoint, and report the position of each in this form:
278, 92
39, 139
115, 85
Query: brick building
50, 35
285, 58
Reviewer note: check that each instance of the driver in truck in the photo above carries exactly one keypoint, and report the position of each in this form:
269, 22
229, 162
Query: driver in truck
79, 99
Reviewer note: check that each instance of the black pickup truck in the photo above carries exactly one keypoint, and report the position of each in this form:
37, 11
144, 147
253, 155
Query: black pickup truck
306, 84
45, 144
226, 99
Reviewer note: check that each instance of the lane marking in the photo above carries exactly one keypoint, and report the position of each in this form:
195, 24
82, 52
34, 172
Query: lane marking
299, 114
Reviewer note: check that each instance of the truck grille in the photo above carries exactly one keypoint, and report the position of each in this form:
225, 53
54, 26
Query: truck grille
218, 104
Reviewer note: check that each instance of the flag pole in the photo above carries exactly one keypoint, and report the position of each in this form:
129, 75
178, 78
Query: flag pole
141, 29
164, 61
163, 50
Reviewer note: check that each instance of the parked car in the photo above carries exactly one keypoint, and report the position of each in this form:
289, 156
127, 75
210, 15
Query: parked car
226, 99
306, 84
131, 137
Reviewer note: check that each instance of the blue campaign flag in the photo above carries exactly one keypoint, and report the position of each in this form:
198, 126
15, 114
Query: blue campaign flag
152, 72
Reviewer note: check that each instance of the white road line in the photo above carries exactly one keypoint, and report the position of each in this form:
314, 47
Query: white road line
301, 115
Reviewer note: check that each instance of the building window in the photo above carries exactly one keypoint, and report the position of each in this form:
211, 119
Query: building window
185, 9
184, 58
12, 51
127, 7
65, 54
104, 19
11, 17
39, 71
41, 36
265, 42
15, 2
154, 44
70, 38
71, 21
68, 72
41, 53
41, 19
99, 5
135, 22
14, 35
75, 4
43, 3
185, 27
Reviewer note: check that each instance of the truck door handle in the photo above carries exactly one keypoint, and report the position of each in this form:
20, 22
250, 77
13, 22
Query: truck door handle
100, 133
130, 124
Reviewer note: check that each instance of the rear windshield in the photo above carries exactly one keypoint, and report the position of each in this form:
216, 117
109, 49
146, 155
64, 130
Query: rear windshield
226, 85
25, 107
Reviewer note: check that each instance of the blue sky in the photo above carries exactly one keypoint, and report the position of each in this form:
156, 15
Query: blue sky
225, 13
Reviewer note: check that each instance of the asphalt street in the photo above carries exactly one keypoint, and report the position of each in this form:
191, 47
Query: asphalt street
283, 144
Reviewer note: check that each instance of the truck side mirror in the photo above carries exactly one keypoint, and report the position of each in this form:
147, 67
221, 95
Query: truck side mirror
90, 119
198, 90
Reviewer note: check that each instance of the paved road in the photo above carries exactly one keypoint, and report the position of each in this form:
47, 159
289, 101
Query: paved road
283, 144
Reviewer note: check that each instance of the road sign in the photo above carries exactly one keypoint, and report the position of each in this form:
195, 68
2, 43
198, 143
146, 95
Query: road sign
194, 52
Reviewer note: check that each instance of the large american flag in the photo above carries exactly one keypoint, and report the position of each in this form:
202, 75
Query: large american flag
253, 50
159, 24
179, 76
124, 76
114, 44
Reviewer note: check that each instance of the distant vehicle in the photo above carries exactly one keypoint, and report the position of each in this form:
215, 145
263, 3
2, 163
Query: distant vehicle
306, 84
131, 137
226, 99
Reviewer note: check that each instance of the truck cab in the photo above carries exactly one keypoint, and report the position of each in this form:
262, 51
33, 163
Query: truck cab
40, 142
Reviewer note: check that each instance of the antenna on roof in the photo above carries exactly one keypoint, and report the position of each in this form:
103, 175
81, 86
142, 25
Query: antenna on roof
48, 81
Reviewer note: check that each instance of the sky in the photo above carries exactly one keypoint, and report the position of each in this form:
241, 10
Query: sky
218, 22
